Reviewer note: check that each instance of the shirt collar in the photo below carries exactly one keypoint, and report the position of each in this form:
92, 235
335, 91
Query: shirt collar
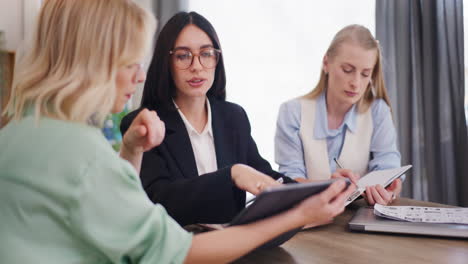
321, 130
208, 127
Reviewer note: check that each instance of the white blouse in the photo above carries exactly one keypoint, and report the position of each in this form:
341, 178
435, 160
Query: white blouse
202, 143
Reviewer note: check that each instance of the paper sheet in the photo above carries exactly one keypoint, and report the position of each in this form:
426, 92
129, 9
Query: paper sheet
423, 214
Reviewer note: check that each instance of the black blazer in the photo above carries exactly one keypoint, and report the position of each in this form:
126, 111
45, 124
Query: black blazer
169, 173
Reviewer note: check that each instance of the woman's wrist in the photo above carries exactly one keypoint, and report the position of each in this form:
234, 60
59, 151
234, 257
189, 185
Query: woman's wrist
298, 217
127, 152
236, 171
131, 155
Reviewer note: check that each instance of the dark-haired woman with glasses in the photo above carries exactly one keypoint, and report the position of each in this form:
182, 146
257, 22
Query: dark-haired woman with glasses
208, 158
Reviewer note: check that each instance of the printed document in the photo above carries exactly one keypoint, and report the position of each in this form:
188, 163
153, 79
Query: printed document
423, 214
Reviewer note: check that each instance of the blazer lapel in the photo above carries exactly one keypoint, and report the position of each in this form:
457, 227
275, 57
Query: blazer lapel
224, 136
178, 142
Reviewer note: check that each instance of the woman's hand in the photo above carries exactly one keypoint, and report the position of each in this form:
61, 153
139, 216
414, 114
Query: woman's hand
249, 179
344, 173
146, 132
322, 208
377, 194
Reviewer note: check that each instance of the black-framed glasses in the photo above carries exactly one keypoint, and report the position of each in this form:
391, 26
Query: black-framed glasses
183, 58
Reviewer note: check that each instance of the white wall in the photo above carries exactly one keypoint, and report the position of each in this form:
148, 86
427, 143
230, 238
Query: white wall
273, 50
17, 18
11, 22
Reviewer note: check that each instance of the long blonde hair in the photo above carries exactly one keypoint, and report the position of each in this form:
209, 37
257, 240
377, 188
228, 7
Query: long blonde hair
77, 48
361, 36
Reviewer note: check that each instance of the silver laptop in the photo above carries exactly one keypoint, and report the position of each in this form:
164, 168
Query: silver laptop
365, 220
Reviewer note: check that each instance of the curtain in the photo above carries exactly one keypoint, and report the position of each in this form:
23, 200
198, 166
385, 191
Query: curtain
165, 9
422, 46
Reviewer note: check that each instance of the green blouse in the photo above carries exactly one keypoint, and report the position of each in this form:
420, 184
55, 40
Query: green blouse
67, 197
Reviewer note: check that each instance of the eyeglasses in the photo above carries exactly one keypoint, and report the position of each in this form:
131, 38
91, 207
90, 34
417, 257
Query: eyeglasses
183, 58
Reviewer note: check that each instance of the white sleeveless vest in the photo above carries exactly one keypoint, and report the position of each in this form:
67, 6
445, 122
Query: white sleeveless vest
354, 154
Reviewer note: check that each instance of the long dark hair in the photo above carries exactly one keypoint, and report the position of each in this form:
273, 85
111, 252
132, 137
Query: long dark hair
159, 87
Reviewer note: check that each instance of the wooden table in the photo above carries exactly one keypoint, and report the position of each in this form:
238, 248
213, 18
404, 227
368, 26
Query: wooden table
334, 243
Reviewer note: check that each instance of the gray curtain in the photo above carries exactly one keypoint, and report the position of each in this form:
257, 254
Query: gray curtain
422, 45
165, 9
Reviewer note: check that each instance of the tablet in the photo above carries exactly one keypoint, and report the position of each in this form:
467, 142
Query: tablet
382, 177
279, 199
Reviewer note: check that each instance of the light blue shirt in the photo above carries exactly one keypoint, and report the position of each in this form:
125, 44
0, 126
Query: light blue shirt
289, 152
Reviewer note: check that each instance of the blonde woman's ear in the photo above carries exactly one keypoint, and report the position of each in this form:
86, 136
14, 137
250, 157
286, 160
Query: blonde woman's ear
372, 86
325, 64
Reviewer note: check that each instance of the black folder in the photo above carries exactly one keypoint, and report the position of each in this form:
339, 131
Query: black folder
279, 199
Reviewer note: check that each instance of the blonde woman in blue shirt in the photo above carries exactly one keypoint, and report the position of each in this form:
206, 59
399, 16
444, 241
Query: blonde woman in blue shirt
347, 116
65, 195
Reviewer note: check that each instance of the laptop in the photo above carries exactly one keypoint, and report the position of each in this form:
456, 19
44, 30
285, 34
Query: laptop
365, 221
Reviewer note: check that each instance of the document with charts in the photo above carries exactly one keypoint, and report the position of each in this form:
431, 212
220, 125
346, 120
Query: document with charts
423, 214
382, 177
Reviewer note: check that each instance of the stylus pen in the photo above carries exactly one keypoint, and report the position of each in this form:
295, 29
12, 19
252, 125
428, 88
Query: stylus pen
341, 167
337, 163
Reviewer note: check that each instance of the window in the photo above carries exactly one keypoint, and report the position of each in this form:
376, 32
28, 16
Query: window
273, 51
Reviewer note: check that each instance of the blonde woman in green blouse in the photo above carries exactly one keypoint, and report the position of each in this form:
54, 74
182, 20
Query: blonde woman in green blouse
65, 195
